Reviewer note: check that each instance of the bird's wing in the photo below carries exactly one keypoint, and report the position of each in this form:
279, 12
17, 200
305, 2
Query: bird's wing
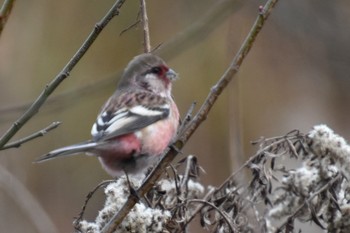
134, 112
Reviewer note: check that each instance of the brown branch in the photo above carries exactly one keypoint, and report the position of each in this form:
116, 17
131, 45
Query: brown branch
35, 135
72, 96
198, 119
34, 108
145, 27
5, 13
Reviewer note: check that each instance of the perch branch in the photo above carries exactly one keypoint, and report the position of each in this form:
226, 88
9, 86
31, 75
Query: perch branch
198, 119
40, 133
34, 108
5, 13
145, 27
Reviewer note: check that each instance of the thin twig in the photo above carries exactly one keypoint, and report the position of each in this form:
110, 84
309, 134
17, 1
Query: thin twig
257, 154
198, 119
187, 119
87, 199
5, 13
129, 27
198, 208
223, 214
40, 133
34, 108
145, 27
71, 96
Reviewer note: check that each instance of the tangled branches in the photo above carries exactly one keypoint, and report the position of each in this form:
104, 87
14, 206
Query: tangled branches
292, 177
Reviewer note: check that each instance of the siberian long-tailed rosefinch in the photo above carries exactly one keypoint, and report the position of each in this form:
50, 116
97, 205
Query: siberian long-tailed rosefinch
136, 124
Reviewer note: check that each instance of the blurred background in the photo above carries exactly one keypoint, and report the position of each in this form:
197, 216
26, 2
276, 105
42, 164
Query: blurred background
296, 76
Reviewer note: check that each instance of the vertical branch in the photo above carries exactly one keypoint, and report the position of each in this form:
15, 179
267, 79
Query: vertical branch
145, 27
5, 13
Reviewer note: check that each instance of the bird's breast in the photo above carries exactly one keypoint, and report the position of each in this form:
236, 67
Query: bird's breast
156, 137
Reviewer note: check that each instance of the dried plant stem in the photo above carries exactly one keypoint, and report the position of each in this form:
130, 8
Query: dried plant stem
34, 108
258, 153
198, 119
307, 201
40, 133
223, 214
145, 27
238, 171
5, 13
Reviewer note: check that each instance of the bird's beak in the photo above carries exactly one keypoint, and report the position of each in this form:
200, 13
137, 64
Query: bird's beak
171, 74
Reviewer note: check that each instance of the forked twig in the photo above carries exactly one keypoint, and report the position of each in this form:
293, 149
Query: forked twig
35, 135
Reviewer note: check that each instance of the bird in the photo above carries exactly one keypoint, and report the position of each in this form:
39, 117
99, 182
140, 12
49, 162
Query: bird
136, 124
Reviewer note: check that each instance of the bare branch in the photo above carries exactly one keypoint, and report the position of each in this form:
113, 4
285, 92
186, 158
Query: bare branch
34, 108
87, 199
232, 70
145, 27
5, 13
198, 119
40, 133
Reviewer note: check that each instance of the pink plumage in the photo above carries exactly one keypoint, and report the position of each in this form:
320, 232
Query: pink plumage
137, 122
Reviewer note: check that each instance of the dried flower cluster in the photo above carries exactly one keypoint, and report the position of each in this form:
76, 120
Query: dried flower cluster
318, 190
140, 219
152, 214
295, 176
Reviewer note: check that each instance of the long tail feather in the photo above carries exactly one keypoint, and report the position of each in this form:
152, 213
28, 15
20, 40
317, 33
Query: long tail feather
67, 151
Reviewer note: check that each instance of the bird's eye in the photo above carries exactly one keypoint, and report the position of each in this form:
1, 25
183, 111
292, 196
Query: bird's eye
156, 70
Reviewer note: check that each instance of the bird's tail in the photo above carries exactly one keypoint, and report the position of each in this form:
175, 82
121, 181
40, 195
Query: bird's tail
67, 151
